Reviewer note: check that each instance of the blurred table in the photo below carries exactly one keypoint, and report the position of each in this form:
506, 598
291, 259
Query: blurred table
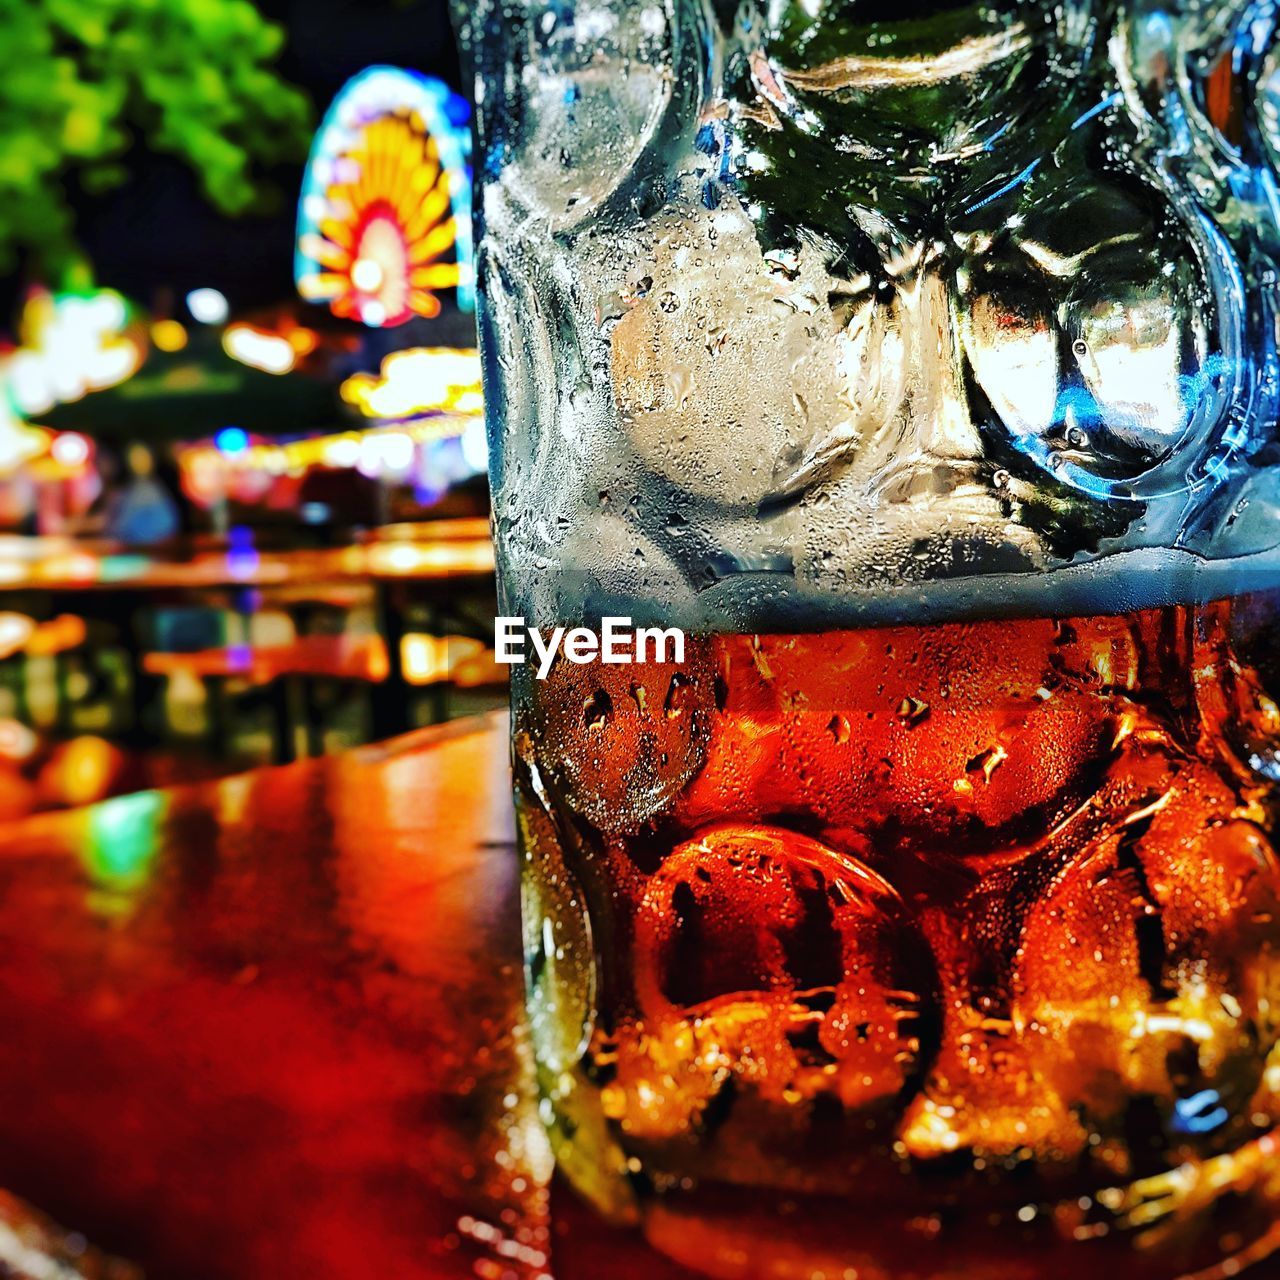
341, 657
69, 568
455, 527
434, 561
270, 1027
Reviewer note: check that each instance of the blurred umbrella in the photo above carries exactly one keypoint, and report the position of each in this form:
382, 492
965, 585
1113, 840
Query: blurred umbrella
194, 393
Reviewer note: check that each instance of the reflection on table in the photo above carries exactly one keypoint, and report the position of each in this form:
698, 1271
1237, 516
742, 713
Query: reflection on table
270, 1027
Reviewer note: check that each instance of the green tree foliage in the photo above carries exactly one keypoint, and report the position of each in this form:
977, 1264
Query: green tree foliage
82, 80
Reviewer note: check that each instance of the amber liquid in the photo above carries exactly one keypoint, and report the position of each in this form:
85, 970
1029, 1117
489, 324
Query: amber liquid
935, 945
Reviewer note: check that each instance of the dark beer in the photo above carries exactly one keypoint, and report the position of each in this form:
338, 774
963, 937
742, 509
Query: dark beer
911, 950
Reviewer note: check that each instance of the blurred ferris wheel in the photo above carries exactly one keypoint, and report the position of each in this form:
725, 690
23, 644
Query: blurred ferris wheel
384, 222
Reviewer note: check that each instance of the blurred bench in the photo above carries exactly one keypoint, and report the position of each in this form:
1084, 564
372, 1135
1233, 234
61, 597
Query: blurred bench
290, 673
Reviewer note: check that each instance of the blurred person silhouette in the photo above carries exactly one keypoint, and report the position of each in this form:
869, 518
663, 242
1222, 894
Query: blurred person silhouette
142, 512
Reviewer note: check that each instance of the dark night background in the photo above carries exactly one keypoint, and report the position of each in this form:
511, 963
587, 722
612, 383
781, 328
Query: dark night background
157, 227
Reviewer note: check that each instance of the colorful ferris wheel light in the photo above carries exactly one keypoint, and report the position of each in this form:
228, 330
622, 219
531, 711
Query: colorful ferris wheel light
384, 224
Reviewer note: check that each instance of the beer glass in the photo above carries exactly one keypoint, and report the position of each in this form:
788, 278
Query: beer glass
918, 361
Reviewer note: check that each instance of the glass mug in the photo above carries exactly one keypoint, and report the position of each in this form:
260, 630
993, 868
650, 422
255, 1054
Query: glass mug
919, 361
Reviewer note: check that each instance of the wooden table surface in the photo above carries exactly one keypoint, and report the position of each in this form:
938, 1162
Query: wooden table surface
271, 1027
